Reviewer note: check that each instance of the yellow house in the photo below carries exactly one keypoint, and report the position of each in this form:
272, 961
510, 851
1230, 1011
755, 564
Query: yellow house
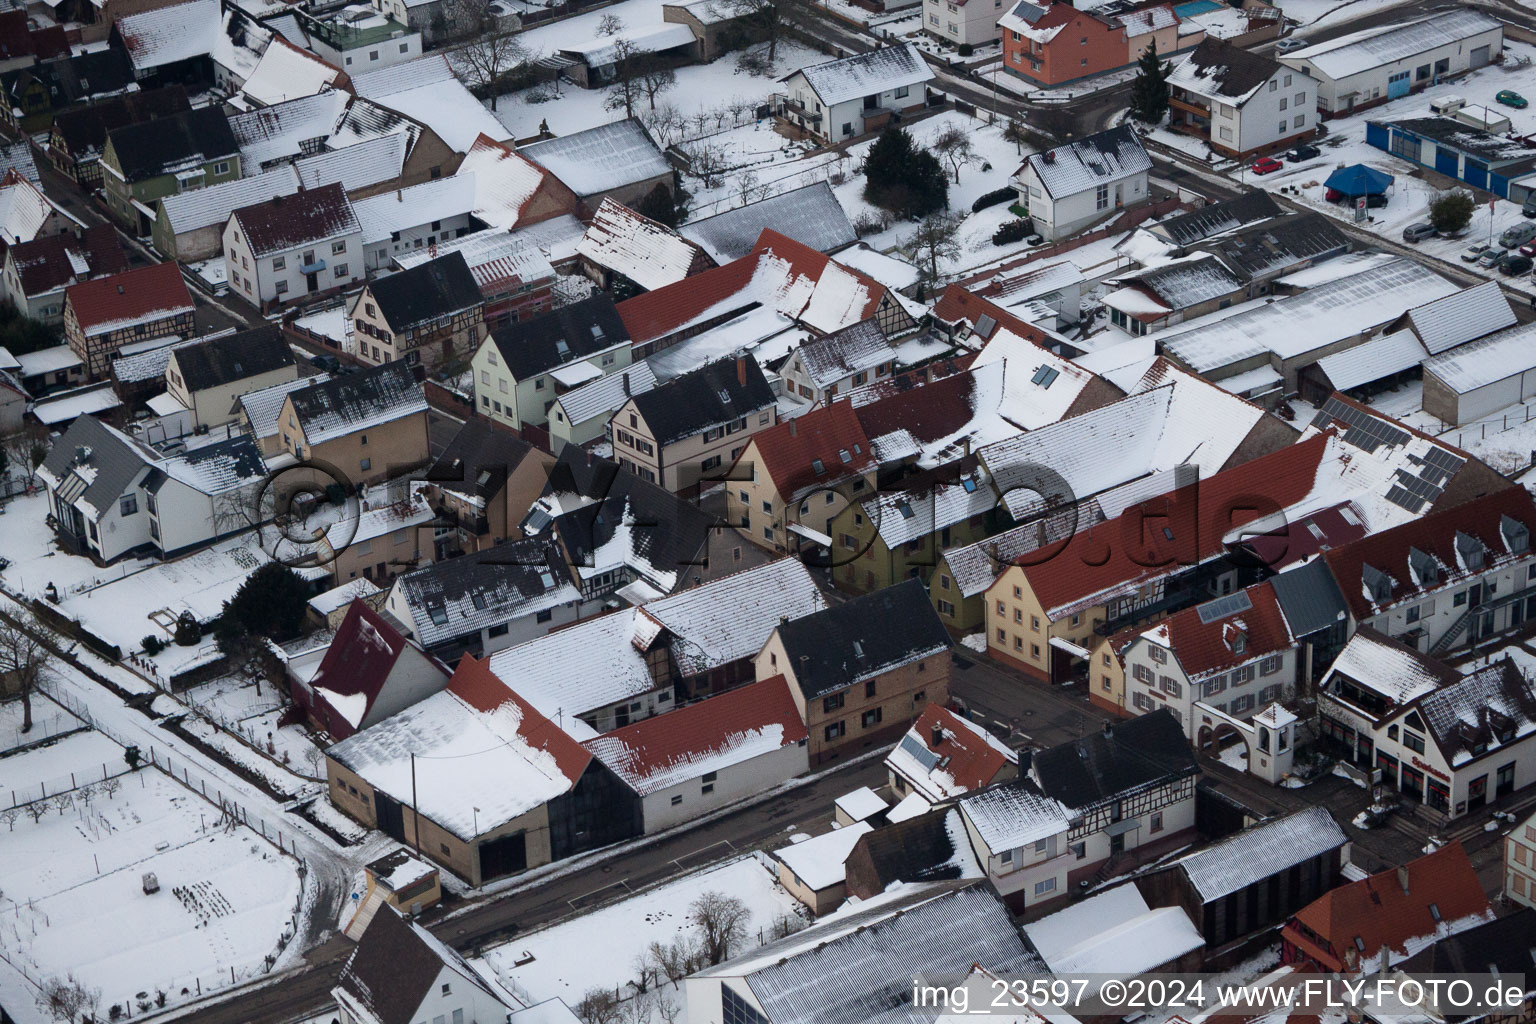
207, 377
365, 427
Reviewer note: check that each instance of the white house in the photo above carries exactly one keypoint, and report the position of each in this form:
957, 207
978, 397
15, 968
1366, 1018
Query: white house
580, 416
963, 22
843, 99
408, 219
1068, 188
293, 247
1378, 64
708, 755
834, 364
358, 38
1474, 381
1241, 102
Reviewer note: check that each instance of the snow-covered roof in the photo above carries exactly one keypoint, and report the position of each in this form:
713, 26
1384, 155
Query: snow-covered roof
974, 567
23, 209
830, 358
1176, 284
599, 159
184, 31
1296, 324
285, 130
892, 271
1102, 158
631, 244
357, 164
1014, 814
345, 405
76, 404
339, 597
1394, 670
388, 212
914, 513
1148, 19
1115, 933
818, 862
863, 74
861, 803
286, 72
965, 757
204, 207
461, 596
602, 50
1480, 363
1388, 44
504, 182
1219, 71
262, 407
1256, 853
1380, 357
1461, 316
147, 363
496, 259
811, 215
1490, 708
427, 90
604, 396
47, 360
1032, 281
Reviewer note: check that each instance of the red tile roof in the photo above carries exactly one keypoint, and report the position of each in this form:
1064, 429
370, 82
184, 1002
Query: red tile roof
475, 683
788, 451
1134, 548
134, 296
44, 264
1379, 911
664, 750
1435, 535
15, 38
1206, 647
939, 408
972, 762
359, 661
957, 305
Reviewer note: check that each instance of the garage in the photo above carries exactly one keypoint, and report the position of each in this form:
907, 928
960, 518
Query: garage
1484, 379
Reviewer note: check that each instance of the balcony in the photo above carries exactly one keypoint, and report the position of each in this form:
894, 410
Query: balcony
313, 267
1190, 104
792, 108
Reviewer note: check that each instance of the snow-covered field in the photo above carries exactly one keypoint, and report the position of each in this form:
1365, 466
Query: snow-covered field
599, 950
1319, 13
253, 709
48, 719
61, 766
36, 560
74, 899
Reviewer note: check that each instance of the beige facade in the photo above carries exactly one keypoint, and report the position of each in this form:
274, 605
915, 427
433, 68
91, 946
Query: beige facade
1107, 679
485, 524
758, 510
365, 456
447, 339
213, 407
681, 465
1520, 863
1019, 631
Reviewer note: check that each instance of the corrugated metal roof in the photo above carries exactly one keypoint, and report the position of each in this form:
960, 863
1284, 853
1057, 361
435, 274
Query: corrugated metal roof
1482, 362
1461, 316
1254, 854
811, 216
1387, 44
1380, 357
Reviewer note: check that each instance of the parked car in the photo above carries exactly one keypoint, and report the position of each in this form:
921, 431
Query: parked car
325, 362
1266, 165
1304, 152
1291, 43
1491, 257
1518, 235
1513, 263
1416, 233
1510, 98
1473, 252
1528, 249
1529, 206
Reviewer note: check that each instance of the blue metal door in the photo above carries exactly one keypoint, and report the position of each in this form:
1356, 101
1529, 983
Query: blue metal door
1446, 162
1398, 85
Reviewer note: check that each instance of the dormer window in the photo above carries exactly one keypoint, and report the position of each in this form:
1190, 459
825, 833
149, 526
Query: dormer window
1517, 538
1470, 551
1377, 584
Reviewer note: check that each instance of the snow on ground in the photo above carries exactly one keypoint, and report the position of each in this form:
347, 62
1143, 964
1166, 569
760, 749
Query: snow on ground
48, 719
36, 559
1318, 13
253, 709
1504, 439
1235, 757
74, 896
563, 963
330, 322
63, 765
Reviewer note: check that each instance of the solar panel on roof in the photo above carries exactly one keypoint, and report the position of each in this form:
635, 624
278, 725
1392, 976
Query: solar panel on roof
1442, 459
985, 324
1363, 430
918, 752
1045, 376
1403, 499
1220, 608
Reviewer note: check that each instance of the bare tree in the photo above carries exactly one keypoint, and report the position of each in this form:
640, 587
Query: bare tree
646, 971
111, 786
655, 77
721, 922
749, 189
636, 1010
954, 147
708, 163
598, 1006
316, 757
610, 24
24, 452
937, 238
36, 809
63, 802
1018, 133
770, 20
9, 815
667, 1006
67, 999
490, 53
24, 658
625, 91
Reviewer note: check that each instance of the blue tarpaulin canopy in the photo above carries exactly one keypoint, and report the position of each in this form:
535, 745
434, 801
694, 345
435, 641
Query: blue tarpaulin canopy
1359, 180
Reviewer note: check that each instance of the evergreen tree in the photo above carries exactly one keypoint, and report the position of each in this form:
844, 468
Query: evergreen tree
270, 603
1149, 93
904, 179
660, 205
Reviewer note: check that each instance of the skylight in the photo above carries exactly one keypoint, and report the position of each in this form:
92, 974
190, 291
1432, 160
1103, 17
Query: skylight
906, 510
438, 613
818, 466
842, 453
1045, 376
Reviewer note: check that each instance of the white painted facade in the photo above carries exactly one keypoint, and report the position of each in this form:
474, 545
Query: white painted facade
499, 636
1373, 84
280, 277
378, 254
1058, 217
1431, 613
845, 120
452, 998
502, 397
1154, 679
359, 59
706, 793
967, 23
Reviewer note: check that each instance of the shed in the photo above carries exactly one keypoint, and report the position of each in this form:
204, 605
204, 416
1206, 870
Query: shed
1359, 180
1476, 380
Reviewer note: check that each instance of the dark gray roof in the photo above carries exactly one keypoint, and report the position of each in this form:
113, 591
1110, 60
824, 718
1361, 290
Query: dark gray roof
167, 144
1503, 947
1309, 598
1281, 243
342, 405
1124, 757
208, 364
1248, 208
393, 968
85, 130
863, 637
115, 461
920, 849
715, 393
532, 347
811, 216
1495, 149
1234, 71
1111, 155
437, 288
479, 459
483, 588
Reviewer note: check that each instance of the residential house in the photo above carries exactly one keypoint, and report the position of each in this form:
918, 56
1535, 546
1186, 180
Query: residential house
1233, 655
487, 600
476, 779
401, 968
208, 377
286, 72
1184, 231
369, 673
814, 870
522, 367
293, 247
1240, 102
627, 253
929, 847
103, 315
1057, 287
1066, 189
1452, 578
143, 162
944, 756
862, 671
1474, 381
792, 480
431, 18
580, 416
1369, 67
810, 215
511, 191
963, 573
386, 534
49, 369
603, 673
79, 137
257, 411
866, 957
617, 161
483, 484
36, 94
369, 426
411, 218
37, 273
963, 22
26, 214
1315, 614
1498, 947
110, 495
1086, 809
853, 96
709, 755
1053, 44
515, 278
1383, 918
822, 368
1520, 863
691, 428
201, 43
1450, 741
432, 313
358, 41
1155, 297
1253, 879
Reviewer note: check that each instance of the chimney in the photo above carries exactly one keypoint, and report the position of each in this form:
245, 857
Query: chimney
936, 737
793, 429
1402, 878
741, 370
805, 667
966, 443
626, 385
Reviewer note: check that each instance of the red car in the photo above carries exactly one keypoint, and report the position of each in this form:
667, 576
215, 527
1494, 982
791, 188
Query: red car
1528, 249
1266, 165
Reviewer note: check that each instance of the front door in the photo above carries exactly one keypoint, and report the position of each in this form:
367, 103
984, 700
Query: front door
312, 282
1477, 793
391, 819
1117, 844
1504, 784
